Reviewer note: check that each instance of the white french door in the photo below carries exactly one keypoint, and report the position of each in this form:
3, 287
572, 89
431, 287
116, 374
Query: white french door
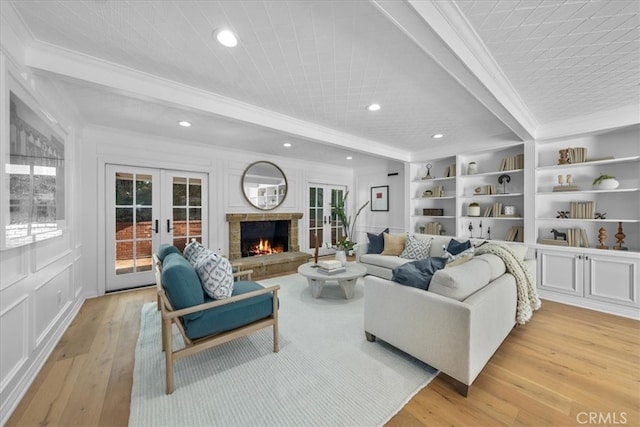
145, 208
322, 223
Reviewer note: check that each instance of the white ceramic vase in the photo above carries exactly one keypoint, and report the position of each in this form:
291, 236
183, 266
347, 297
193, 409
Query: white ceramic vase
341, 256
607, 184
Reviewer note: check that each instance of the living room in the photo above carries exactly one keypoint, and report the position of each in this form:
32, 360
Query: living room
101, 94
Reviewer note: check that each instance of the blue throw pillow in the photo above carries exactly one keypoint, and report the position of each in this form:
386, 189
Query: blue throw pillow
376, 242
418, 274
455, 247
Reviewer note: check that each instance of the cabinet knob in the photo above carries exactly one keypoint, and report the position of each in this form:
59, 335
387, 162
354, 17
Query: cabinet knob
586, 257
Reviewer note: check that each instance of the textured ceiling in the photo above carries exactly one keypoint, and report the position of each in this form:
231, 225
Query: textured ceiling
565, 58
323, 61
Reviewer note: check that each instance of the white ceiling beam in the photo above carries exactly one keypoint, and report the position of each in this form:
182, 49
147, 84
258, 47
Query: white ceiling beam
53, 59
442, 31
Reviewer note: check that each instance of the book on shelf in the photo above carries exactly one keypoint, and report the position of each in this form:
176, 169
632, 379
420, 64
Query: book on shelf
496, 209
582, 210
515, 234
433, 228
450, 171
577, 155
512, 162
553, 242
487, 211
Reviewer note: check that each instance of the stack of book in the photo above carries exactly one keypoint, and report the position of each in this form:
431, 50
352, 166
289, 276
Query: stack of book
433, 228
511, 163
577, 155
331, 267
582, 210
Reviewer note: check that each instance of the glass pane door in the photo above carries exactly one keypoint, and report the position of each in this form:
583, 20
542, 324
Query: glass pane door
131, 225
322, 222
186, 209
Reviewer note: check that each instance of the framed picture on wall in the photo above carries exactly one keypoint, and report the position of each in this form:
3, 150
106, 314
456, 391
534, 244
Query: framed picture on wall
380, 198
33, 179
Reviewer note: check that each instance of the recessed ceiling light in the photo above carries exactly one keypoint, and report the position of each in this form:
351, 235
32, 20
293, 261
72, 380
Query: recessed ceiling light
349, 158
184, 123
226, 37
286, 144
373, 107
437, 136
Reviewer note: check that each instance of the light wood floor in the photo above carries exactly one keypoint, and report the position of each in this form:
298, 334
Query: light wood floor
568, 366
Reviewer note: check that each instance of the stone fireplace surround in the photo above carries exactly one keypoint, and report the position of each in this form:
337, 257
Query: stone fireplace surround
266, 265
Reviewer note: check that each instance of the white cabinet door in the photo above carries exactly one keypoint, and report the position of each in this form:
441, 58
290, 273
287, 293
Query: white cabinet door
612, 279
560, 272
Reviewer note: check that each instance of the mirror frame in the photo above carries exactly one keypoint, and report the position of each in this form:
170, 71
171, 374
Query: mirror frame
246, 196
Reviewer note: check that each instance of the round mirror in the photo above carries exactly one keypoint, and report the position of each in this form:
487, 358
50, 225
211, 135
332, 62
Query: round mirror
264, 185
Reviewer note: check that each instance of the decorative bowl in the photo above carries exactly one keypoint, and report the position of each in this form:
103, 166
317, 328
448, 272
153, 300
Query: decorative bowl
607, 184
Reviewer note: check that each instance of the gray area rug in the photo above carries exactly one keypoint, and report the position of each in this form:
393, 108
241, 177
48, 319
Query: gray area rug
326, 372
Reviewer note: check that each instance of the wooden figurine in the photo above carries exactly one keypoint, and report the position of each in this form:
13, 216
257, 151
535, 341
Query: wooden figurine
620, 239
564, 157
602, 237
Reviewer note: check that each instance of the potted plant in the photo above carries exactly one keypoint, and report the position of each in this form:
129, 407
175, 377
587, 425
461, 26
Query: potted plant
346, 243
605, 182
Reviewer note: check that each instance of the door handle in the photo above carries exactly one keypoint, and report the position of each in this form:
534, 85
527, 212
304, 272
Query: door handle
169, 227
156, 229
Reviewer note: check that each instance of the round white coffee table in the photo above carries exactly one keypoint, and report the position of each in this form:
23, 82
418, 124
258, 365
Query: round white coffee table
347, 279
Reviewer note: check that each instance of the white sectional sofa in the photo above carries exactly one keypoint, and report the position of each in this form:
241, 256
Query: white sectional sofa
455, 326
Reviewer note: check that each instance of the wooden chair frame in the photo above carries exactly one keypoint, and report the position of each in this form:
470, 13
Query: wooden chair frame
171, 316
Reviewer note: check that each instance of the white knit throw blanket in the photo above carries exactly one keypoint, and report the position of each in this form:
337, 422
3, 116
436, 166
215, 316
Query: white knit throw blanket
528, 300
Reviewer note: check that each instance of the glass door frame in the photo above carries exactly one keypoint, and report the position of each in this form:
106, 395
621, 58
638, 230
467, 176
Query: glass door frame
321, 218
162, 225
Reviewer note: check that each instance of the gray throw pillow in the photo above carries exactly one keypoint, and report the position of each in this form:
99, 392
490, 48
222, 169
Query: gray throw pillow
418, 274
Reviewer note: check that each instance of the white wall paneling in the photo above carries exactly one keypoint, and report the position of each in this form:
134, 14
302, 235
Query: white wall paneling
14, 337
49, 299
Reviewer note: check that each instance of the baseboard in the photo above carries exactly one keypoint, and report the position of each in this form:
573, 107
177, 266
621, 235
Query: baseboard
617, 310
38, 359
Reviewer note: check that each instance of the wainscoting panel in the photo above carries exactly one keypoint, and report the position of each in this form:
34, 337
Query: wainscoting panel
14, 267
49, 251
50, 300
14, 336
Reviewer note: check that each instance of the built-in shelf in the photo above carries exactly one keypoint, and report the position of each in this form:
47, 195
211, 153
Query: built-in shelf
434, 216
491, 196
506, 218
477, 175
614, 161
559, 220
434, 198
425, 181
560, 193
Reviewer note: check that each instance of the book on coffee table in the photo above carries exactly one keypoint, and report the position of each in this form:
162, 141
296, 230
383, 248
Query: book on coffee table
332, 270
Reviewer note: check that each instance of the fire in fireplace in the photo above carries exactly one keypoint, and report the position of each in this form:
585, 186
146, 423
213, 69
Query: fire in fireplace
264, 237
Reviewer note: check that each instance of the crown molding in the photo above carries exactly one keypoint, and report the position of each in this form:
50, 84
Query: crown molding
442, 31
71, 64
590, 124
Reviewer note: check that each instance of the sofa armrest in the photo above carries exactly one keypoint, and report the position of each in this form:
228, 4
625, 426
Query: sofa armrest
361, 250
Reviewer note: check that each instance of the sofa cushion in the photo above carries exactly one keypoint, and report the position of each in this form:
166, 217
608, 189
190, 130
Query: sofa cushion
496, 265
376, 242
231, 316
393, 244
181, 284
461, 281
418, 273
383, 261
166, 249
416, 248
215, 273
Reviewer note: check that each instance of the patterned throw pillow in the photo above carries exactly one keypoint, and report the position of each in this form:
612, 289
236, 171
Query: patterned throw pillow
215, 274
193, 251
416, 248
457, 250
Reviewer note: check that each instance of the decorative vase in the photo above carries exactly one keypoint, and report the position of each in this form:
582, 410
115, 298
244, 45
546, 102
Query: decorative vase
607, 184
472, 168
341, 256
473, 210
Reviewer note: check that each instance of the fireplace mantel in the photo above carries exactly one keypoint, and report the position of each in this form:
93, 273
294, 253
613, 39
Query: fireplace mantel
234, 220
